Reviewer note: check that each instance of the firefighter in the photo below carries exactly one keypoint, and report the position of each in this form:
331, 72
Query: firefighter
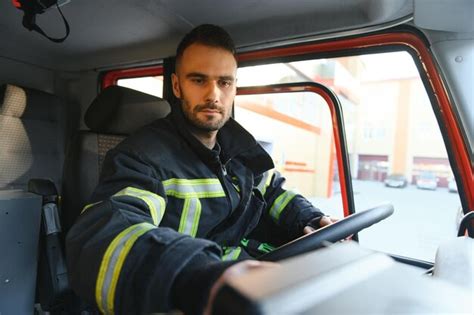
184, 198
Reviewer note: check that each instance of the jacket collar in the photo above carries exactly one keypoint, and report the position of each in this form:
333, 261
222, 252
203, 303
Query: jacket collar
233, 139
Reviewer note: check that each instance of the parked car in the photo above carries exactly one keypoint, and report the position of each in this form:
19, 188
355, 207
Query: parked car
396, 181
427, 180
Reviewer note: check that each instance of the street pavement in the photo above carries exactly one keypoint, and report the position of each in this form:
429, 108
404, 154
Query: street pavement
421, 221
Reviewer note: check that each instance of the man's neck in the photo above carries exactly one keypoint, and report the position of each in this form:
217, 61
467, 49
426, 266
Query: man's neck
207, 138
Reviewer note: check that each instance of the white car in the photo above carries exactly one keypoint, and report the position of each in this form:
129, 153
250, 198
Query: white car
427, 180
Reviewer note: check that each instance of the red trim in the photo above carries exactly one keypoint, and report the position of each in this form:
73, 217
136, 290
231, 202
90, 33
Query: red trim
332, 107
415, 43
16, 3
299, 170
331, 170
295, 163
111, 77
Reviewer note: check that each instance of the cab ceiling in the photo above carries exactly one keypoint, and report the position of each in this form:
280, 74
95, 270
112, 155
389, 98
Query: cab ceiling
115, 33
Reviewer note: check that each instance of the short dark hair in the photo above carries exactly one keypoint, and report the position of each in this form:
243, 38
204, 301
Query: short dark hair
206, 34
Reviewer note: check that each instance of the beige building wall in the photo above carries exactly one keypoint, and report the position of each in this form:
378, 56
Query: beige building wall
400, 161
375, 122
426, 137
301, 155
395, 119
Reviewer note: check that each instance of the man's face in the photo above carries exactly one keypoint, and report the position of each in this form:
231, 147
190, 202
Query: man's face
205, 83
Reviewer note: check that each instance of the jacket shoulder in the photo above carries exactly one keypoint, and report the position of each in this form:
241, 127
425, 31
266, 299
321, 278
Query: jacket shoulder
157, 134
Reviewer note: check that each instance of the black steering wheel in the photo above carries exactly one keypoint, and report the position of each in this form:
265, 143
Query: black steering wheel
332, 233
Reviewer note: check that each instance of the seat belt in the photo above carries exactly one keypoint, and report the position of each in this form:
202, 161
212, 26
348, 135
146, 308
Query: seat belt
52, 281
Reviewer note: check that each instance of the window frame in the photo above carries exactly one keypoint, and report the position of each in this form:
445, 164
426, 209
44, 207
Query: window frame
339, 134
407, 40
111, 77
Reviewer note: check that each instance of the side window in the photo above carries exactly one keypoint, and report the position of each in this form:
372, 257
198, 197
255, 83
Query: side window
147, 80
151, 85
396, 150
296, 129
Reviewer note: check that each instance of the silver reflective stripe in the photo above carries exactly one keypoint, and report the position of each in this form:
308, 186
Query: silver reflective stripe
190, 216
231, 253
193, 188
280, 203
112, 263
156, 204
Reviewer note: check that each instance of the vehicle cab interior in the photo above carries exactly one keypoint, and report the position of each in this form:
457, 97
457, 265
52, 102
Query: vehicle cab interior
366, 108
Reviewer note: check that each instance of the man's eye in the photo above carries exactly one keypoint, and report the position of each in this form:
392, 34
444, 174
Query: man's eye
197, 80
225, 83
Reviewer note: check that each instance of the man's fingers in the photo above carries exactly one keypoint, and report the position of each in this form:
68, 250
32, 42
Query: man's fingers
326, 220
308, 230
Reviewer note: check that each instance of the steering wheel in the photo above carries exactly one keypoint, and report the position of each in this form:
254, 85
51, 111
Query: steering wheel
331, 233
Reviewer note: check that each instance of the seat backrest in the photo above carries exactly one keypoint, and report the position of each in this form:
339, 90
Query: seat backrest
113, 115
33, 134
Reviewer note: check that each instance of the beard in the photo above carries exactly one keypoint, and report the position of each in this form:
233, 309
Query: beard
206, 123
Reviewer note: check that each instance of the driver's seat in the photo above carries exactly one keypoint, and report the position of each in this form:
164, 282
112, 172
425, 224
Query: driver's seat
113, 115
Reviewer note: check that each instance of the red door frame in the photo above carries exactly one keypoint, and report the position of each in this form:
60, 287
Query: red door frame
111, 77
337, 127
411, 42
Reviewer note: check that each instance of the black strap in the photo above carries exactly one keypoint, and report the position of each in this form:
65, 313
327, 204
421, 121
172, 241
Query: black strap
467, 225
29, 21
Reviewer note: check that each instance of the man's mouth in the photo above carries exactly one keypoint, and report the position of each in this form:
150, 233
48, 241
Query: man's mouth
209, 109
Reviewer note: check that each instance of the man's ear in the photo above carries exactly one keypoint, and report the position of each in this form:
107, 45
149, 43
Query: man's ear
175, 83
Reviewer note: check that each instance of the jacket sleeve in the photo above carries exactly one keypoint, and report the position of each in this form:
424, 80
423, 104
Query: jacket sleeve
121, 260
287, 209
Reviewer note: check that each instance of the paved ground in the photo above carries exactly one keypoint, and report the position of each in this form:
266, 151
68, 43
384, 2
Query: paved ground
421, 221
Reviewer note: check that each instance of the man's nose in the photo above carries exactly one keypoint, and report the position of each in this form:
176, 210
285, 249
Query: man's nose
212, 93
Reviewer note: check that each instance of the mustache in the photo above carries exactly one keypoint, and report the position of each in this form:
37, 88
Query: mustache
211, 106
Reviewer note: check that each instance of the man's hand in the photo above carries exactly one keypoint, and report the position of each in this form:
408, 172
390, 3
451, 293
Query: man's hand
325, 220
236, 270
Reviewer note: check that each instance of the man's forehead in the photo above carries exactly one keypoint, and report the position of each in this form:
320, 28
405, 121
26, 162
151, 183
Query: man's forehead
208, 60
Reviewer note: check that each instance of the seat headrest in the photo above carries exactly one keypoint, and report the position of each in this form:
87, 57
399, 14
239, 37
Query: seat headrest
24, 103
119, 110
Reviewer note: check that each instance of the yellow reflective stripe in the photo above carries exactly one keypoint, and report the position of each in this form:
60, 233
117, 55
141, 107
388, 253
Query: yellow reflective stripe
231, 253
112, 263
191, 182
190, 216
265, 182
193, 188
235, 183
237, 188
156, 204
89, 206
280, 203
